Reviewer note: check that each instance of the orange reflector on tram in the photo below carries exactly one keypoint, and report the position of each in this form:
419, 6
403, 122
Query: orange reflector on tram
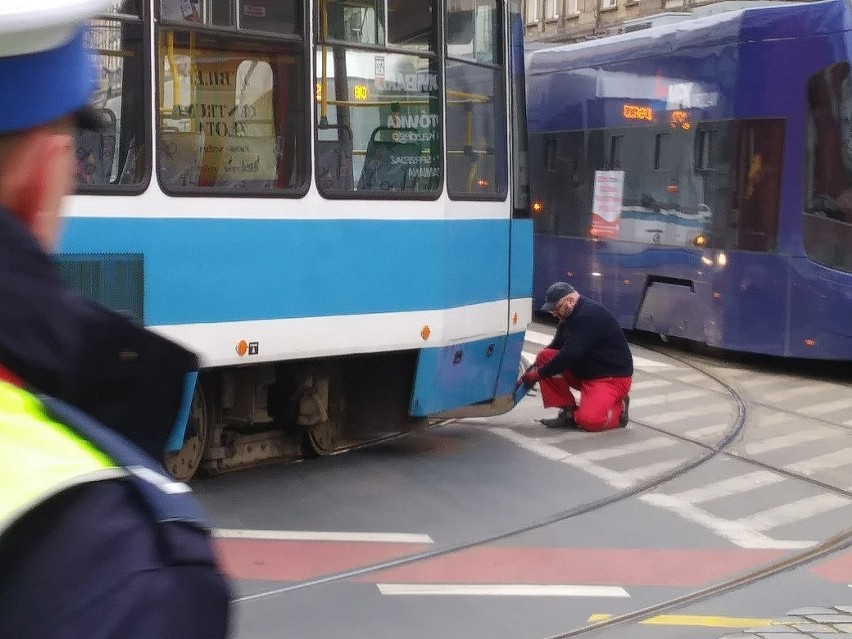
425, 332
537, 207
699, 240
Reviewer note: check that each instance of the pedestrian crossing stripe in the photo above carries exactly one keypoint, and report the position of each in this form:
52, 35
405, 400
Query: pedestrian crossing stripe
695, 620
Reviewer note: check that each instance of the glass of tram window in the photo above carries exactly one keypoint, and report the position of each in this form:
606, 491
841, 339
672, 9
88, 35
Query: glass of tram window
476, 113
231, 105
113, 157
827, 229
378, 105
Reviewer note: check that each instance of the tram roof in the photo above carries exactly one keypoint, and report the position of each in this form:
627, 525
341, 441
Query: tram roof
740, 25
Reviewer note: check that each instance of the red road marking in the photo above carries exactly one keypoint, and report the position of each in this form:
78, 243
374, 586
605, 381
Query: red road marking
838, 569
298, 560
270, 560
598, 566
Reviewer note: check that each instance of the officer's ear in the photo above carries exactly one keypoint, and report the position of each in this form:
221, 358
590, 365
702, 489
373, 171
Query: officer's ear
39, 173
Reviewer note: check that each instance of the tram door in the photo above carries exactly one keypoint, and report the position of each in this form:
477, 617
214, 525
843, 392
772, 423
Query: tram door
760, 145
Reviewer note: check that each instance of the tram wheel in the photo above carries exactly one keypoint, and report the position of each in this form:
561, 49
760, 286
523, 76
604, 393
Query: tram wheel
184, 463
323, 439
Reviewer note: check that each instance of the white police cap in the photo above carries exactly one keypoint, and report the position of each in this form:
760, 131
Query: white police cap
45, 70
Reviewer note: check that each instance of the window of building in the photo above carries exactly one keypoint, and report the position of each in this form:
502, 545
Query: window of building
531, 11
607, 4
115, 157
551, 9
828, 205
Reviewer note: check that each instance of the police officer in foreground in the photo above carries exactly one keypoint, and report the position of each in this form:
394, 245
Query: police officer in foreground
589, 353
95, 540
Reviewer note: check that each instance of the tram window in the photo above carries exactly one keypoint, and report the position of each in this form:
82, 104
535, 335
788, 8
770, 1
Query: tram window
269, 16
355, 21
704, 149
378, 123
828, 207
126, 7
473, 31
229, 118
615, 146
550, 155
114, 157
476, 131
411, 23
760, 152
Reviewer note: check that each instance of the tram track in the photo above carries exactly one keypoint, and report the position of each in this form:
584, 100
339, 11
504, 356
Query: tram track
835, 544
710, 451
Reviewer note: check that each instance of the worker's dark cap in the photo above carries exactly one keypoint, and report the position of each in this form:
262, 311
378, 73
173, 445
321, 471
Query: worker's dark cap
555, 293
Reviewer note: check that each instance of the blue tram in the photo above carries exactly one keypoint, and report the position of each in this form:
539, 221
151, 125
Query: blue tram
319, 197
696, 178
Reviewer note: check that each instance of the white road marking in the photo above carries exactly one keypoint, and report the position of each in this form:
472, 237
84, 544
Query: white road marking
705, 431
653, 443
502, 590
650, 383
793, 512
311, 535
823, 462
826, 407
787, 393
733, 531
785, 441
728, 487
665, 398
677, 415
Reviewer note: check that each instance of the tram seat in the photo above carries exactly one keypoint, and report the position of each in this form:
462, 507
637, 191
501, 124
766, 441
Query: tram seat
96, 151
388, 164
334, 164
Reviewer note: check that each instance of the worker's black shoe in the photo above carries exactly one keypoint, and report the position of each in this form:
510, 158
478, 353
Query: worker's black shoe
625, 404
565, 419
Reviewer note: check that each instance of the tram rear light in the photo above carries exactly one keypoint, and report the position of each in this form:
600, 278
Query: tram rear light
537, 207
425, 332
483, 183
700, 240
672, 188
627, 282
810, 343
717, 295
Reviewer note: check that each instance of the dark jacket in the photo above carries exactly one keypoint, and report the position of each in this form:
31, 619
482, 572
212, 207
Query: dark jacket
591, 345
70, 348
120, 558
126, 558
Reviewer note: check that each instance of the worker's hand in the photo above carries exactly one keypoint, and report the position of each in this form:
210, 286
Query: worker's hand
529, 378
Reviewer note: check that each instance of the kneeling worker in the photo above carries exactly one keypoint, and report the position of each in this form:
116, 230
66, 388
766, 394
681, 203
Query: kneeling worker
589, 353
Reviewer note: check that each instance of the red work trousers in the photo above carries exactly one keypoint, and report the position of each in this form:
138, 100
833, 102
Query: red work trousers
600, 399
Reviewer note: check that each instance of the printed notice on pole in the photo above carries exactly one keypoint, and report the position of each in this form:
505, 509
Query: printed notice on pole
606, 203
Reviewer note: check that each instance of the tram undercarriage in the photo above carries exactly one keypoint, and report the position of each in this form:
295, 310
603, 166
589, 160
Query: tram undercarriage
245, 416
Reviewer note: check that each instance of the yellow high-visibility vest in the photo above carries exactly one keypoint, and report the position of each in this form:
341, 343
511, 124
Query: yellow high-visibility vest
40, 457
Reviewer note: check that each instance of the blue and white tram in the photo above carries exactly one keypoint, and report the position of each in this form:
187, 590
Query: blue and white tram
696, 177
321, 199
